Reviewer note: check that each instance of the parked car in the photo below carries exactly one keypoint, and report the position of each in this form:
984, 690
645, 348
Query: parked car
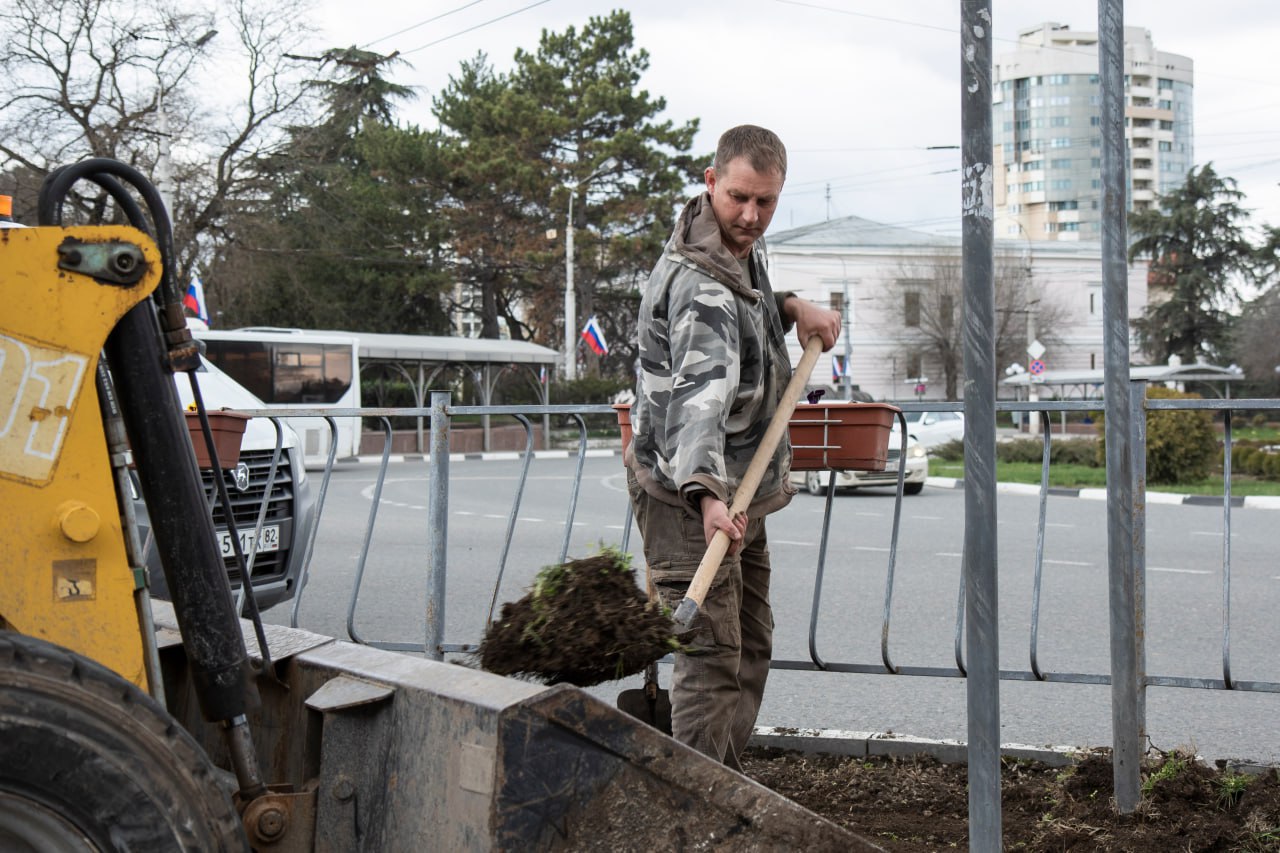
935, 428
278, 563
815, 482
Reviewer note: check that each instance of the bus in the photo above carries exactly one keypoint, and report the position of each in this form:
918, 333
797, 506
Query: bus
296, 369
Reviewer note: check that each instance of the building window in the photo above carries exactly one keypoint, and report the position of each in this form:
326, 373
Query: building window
1166, 146
837, 300
1165, 124
1165, 105
914, 369
911, 309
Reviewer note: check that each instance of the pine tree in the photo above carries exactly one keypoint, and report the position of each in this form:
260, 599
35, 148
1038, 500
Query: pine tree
1197, 253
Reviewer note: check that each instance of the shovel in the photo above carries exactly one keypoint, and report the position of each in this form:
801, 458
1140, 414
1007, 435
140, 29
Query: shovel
719, 546
650, 704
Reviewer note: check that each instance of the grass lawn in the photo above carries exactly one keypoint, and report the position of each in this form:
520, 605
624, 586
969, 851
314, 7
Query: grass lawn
1084, 477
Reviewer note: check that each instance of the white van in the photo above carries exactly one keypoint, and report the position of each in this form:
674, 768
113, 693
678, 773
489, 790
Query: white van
278, 562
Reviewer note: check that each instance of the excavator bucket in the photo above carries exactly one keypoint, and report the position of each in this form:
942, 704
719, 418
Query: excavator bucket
402, 753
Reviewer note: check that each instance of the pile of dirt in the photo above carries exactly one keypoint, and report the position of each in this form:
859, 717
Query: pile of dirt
920, 804
583, 622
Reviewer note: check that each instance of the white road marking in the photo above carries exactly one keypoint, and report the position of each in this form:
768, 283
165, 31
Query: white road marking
1057, 524
1179, 571
926, 517
1213, 533
1066, 563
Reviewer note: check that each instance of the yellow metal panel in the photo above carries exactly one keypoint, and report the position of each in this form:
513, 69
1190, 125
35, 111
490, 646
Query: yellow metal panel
66, 576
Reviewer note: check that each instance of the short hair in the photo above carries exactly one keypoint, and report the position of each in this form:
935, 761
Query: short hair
762, 148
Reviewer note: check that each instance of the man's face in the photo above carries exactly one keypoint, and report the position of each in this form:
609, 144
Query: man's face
743, 201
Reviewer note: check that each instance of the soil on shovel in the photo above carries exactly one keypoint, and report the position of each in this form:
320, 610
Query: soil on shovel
584, 622
920, 804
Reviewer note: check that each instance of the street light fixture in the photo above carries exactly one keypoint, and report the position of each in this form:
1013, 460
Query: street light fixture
570, 306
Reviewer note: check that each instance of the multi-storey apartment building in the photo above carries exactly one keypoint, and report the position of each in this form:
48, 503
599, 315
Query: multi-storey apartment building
1047, 118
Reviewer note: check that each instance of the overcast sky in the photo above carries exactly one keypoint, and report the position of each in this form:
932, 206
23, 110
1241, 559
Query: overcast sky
857, 89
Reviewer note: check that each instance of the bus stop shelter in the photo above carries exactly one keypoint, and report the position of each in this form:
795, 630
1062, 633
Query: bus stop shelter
423, 361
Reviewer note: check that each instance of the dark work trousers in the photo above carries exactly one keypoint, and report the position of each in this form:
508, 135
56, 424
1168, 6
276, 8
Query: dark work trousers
717, 686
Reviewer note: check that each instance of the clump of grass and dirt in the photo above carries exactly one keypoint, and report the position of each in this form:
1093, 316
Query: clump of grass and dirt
583, 622
921, 804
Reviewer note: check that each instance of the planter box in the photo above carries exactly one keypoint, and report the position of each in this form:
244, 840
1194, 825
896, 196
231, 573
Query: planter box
624, 424
228, 430
841, 436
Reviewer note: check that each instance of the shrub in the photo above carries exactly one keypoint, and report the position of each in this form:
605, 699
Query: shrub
1021, 450
952, 451
1271, 466
1181, 445
1074, 451
1259, 419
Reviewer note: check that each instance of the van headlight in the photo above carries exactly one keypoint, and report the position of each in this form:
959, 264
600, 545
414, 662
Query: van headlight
916, 451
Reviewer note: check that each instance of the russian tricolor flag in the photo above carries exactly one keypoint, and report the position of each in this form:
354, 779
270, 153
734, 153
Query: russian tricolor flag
594, 336
838, 369
193, 301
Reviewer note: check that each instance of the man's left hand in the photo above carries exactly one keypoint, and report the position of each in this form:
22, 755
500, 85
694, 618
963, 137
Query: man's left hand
811, 319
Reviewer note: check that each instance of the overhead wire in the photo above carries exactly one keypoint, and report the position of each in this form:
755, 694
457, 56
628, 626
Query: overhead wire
430, 20
472, 29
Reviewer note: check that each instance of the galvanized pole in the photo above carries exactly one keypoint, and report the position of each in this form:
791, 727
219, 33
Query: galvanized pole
1126, 741
437, 523
1138, 420
982, 633
846, 380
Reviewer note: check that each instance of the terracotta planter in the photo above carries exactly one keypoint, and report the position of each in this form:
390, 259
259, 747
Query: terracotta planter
624, 425
841, 436
228, 430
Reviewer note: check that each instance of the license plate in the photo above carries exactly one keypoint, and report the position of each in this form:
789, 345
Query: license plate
270, 541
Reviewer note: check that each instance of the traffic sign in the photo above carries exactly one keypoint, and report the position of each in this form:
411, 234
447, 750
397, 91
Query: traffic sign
1035, 349
1036, 367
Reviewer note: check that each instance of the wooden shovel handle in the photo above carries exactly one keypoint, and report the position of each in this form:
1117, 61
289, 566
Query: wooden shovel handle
719, 546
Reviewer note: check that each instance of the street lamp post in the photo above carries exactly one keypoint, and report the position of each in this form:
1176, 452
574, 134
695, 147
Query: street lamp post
164, 164
570, 295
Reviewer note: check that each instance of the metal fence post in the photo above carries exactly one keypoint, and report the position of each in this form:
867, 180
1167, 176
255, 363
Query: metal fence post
437, 523
982, 633
1138, 419
1126, 744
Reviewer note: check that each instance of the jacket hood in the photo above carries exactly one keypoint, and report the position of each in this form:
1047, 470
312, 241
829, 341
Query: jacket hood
697, 238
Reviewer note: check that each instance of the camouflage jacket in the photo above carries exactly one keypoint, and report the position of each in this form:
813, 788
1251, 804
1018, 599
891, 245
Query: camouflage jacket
713, 366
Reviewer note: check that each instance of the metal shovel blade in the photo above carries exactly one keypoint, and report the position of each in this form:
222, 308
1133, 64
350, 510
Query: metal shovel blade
649, 704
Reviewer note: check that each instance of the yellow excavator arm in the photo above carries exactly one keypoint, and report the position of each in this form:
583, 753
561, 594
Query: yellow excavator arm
68, 578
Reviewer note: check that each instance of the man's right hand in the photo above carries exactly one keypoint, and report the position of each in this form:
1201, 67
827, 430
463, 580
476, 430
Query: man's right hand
715, 516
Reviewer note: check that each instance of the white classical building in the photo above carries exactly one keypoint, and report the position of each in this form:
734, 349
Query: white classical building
879, 276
